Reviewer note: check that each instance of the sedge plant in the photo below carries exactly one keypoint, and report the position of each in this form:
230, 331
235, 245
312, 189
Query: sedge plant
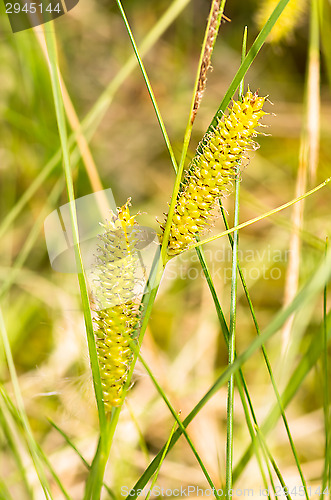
115, 331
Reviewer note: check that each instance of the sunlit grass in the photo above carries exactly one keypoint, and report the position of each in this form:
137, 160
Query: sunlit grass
183, 361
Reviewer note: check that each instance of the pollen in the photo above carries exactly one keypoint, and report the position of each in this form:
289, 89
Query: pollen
210, 174
116, 311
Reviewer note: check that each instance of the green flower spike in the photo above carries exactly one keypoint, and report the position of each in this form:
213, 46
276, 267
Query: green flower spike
210, 173
117, 315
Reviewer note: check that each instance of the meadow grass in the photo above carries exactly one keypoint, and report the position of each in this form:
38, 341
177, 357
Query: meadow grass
31, 471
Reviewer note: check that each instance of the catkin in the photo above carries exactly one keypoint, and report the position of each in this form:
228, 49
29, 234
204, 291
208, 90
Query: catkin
115, 325
211, 171
113, 336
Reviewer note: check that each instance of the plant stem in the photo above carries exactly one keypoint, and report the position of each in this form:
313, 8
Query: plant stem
61, 122
161, 462
268, 365
231, 348
233, 314
239, 377
305, 296
261, 217
180, 425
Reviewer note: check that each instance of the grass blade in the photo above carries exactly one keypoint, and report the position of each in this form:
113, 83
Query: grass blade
43, 457
148, 85
307, 294
308, 361
51, 48
240, 379
78, 453
33, 448
13, 445
161, 462
261, 217
180, 425
268, 365
276, 468
95, 115
233, 314
308, 161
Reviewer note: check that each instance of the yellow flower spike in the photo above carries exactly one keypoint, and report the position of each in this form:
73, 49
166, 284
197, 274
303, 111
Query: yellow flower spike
210, 174
288, 21
116, 325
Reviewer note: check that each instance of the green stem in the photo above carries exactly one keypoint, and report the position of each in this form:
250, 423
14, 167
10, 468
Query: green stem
261, 217
272, 379
239, 377
309, 292
233, 314
231, 347
187, 137
60, 116
180, 425
161, 462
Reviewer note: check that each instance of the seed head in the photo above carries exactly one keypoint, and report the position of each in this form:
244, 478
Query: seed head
211, 171
115, 325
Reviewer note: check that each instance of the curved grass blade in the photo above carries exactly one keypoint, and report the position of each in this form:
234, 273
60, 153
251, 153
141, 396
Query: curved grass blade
263, 216
312, 288
78, 453
13, 445
180, 425
99, 109
43, 457
268, 365
276, 468
32, 445
53, 68
308, 361
160, 463
4, 491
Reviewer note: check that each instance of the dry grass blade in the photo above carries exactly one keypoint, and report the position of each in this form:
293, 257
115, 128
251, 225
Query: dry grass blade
308, 161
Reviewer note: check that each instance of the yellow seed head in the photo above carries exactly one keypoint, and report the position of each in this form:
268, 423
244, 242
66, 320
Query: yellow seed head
114, 329
210, 173
115, 325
